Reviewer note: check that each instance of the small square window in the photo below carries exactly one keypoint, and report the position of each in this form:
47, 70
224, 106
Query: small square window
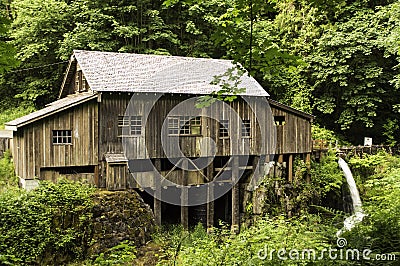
62, 136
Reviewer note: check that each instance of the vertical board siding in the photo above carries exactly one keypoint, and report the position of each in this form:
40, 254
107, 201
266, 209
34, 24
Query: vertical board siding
34, 149
295, 135
95, 132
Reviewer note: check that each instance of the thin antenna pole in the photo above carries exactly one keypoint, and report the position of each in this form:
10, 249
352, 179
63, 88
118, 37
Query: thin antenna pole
251, 34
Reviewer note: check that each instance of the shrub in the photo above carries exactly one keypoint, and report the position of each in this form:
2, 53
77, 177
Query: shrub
45, 226
223, 248
7, 174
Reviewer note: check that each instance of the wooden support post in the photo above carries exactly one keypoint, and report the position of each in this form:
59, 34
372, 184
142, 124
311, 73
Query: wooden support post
210, 198
280, 158
235, 196
308, 165
290, 168
279, 166
184, 197
157, 202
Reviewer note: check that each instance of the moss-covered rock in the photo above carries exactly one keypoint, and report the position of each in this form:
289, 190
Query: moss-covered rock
119, 216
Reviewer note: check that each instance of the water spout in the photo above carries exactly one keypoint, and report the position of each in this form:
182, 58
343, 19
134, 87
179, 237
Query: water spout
358, 214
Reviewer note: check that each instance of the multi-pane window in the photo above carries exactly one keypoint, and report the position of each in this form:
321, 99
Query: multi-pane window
195, 125
129, 125
223, 128
136, 125
62, 136
184, 125
246, 127
173, 125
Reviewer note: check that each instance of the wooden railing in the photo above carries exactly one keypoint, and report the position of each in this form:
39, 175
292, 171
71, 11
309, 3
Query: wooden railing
323, 146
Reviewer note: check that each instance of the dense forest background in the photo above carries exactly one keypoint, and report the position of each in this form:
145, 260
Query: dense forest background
338, 60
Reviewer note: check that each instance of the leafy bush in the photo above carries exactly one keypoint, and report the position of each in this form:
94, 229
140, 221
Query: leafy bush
7, 174
248, 247
13, 113
326, 175
321, 133
45, 226
117, 255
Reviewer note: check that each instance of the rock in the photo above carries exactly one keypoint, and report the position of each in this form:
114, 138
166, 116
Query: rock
119, 216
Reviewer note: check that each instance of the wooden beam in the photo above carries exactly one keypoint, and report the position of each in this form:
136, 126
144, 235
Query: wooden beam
184, 197
210, 196
157, 202
308, 165
235, 196
248, 167
290, 168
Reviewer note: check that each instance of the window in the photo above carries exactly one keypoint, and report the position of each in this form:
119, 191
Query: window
223, 128
136, 125
184, 125
62, 136
129, 125
195, 125
246, 128
173, 125
279, 120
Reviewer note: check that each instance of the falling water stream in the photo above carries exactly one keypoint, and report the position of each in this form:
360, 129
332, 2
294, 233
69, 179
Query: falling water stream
358, 214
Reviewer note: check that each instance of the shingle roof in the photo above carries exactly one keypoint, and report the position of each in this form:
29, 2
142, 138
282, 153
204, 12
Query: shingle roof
54, 107
126, 72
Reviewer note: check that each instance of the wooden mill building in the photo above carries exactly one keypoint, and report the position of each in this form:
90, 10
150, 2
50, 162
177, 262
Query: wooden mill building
80, 135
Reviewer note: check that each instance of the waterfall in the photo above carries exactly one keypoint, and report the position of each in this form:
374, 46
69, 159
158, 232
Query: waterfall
358, 214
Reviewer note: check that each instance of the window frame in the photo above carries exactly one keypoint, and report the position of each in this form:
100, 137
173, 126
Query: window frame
62, 137
131, 124
184, 125
246, 128
223, 131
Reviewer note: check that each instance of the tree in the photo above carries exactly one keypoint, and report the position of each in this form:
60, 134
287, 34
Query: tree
352, 73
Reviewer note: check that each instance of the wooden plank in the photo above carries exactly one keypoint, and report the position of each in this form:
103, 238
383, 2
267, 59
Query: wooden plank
184, 197
157, 202
210, 197
308, 165
235, 196
290, 168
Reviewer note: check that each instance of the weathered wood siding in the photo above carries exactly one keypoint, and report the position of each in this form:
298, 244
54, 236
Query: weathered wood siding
5, 144
33, 147
115, 104
295, 135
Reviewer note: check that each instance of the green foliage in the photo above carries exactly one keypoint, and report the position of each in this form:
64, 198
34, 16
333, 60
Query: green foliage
332, 138
13, 113
7, 173
338, 60
379, 231
223, 248
229, 83
7, 50
391, 128
326, 174
117, 255
47, 225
